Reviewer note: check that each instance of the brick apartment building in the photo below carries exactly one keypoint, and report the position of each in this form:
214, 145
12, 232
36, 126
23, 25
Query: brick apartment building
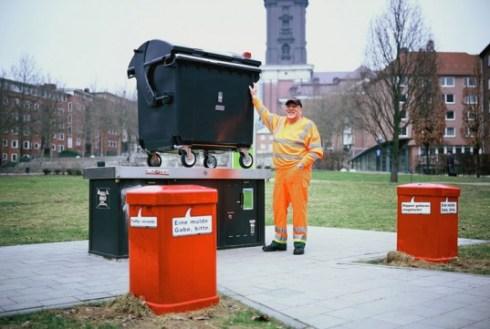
485, 90
41, 120
459, 87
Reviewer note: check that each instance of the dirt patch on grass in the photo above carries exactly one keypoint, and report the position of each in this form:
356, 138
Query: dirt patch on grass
130, 312
472, 259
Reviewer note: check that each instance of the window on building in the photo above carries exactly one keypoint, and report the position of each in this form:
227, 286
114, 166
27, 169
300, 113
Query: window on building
5, 156
53, 147
403, 132
470, 82
36, 106
262, 137
471, 99
447, 81
37, 146
403, 114
449, 132
68, 119
286, 52
488, 60
263, 146
14, 144
5, 143
26, 117
450, 115
13, 157
78, 141
61, 136
26, 145
61, 147
471, 116
70, 107
403, 98
488, 84
5, 101
448, 98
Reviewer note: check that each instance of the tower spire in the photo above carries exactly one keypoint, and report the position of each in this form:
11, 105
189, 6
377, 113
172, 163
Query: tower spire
286, 32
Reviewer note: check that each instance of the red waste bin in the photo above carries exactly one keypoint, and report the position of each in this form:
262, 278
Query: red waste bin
172, 246
427, 221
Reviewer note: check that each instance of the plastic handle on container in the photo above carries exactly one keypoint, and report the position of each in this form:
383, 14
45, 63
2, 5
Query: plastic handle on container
151, 97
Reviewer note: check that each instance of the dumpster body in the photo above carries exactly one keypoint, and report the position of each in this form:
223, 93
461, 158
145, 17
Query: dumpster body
172, 247
240, 210
193, 98
427, 221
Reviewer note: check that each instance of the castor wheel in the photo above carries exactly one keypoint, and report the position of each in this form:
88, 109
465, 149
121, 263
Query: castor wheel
210, 161
246, 160
154, 159
188, 158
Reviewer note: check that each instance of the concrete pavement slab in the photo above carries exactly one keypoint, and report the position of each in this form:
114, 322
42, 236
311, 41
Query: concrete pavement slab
325, 288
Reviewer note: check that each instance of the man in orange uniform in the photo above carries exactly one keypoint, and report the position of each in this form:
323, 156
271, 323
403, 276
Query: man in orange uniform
296, 146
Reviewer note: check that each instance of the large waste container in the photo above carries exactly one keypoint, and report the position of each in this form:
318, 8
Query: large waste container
193, 99
172, 246
427, 221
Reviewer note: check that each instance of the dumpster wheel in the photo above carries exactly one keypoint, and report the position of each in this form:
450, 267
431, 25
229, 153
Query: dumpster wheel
154, 159
210, 161
246, 160
188, 158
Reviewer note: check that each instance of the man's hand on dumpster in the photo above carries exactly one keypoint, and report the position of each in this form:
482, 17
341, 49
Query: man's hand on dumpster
253, 94
253, 90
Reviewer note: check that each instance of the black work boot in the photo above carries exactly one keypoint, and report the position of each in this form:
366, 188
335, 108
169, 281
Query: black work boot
299, 248
275, 246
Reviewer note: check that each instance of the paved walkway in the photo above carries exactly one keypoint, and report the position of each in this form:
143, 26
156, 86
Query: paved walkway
325, 288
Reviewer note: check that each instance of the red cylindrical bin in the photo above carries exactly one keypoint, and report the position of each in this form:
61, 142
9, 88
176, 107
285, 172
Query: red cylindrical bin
172, 246
427, 221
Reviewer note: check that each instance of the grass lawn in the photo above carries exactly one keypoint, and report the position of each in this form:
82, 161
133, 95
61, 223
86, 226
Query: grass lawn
55, 208
368, 201
43, 209
128, 312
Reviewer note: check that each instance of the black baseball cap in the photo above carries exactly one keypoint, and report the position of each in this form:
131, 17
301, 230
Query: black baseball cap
294, 101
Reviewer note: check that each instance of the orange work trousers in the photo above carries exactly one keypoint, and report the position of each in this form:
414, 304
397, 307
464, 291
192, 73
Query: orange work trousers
291, 187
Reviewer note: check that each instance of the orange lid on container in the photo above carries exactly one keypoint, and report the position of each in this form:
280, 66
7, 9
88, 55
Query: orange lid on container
428, 189
171, 195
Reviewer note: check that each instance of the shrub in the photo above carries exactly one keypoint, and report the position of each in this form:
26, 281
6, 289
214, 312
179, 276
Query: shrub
46, 171
68, 153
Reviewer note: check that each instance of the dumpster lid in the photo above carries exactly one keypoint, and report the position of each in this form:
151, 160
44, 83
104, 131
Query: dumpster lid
428, 189
172, 195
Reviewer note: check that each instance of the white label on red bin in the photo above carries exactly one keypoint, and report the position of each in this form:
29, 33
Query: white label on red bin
142, 221
192, 225
415, 208
449, 207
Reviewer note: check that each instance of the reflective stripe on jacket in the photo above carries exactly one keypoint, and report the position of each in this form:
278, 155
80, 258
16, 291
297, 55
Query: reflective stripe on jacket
294, 143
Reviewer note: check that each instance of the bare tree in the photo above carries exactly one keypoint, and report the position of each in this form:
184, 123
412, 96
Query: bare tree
392, 92
26, 76
473, 128
427, 115
49, 119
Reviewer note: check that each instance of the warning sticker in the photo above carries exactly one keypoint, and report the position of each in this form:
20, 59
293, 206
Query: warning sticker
142, 221
192, 225
449, 207
415, 208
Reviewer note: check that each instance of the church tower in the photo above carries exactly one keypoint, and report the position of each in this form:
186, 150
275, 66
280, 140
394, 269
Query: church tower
286, 63
286, 32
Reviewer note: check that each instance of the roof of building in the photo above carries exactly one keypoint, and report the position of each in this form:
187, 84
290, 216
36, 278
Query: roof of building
485, 50
456, 63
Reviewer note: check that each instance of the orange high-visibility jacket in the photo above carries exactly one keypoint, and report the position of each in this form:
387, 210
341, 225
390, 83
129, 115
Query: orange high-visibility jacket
293, 143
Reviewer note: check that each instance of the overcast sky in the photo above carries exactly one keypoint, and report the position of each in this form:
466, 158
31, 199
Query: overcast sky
89, 42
